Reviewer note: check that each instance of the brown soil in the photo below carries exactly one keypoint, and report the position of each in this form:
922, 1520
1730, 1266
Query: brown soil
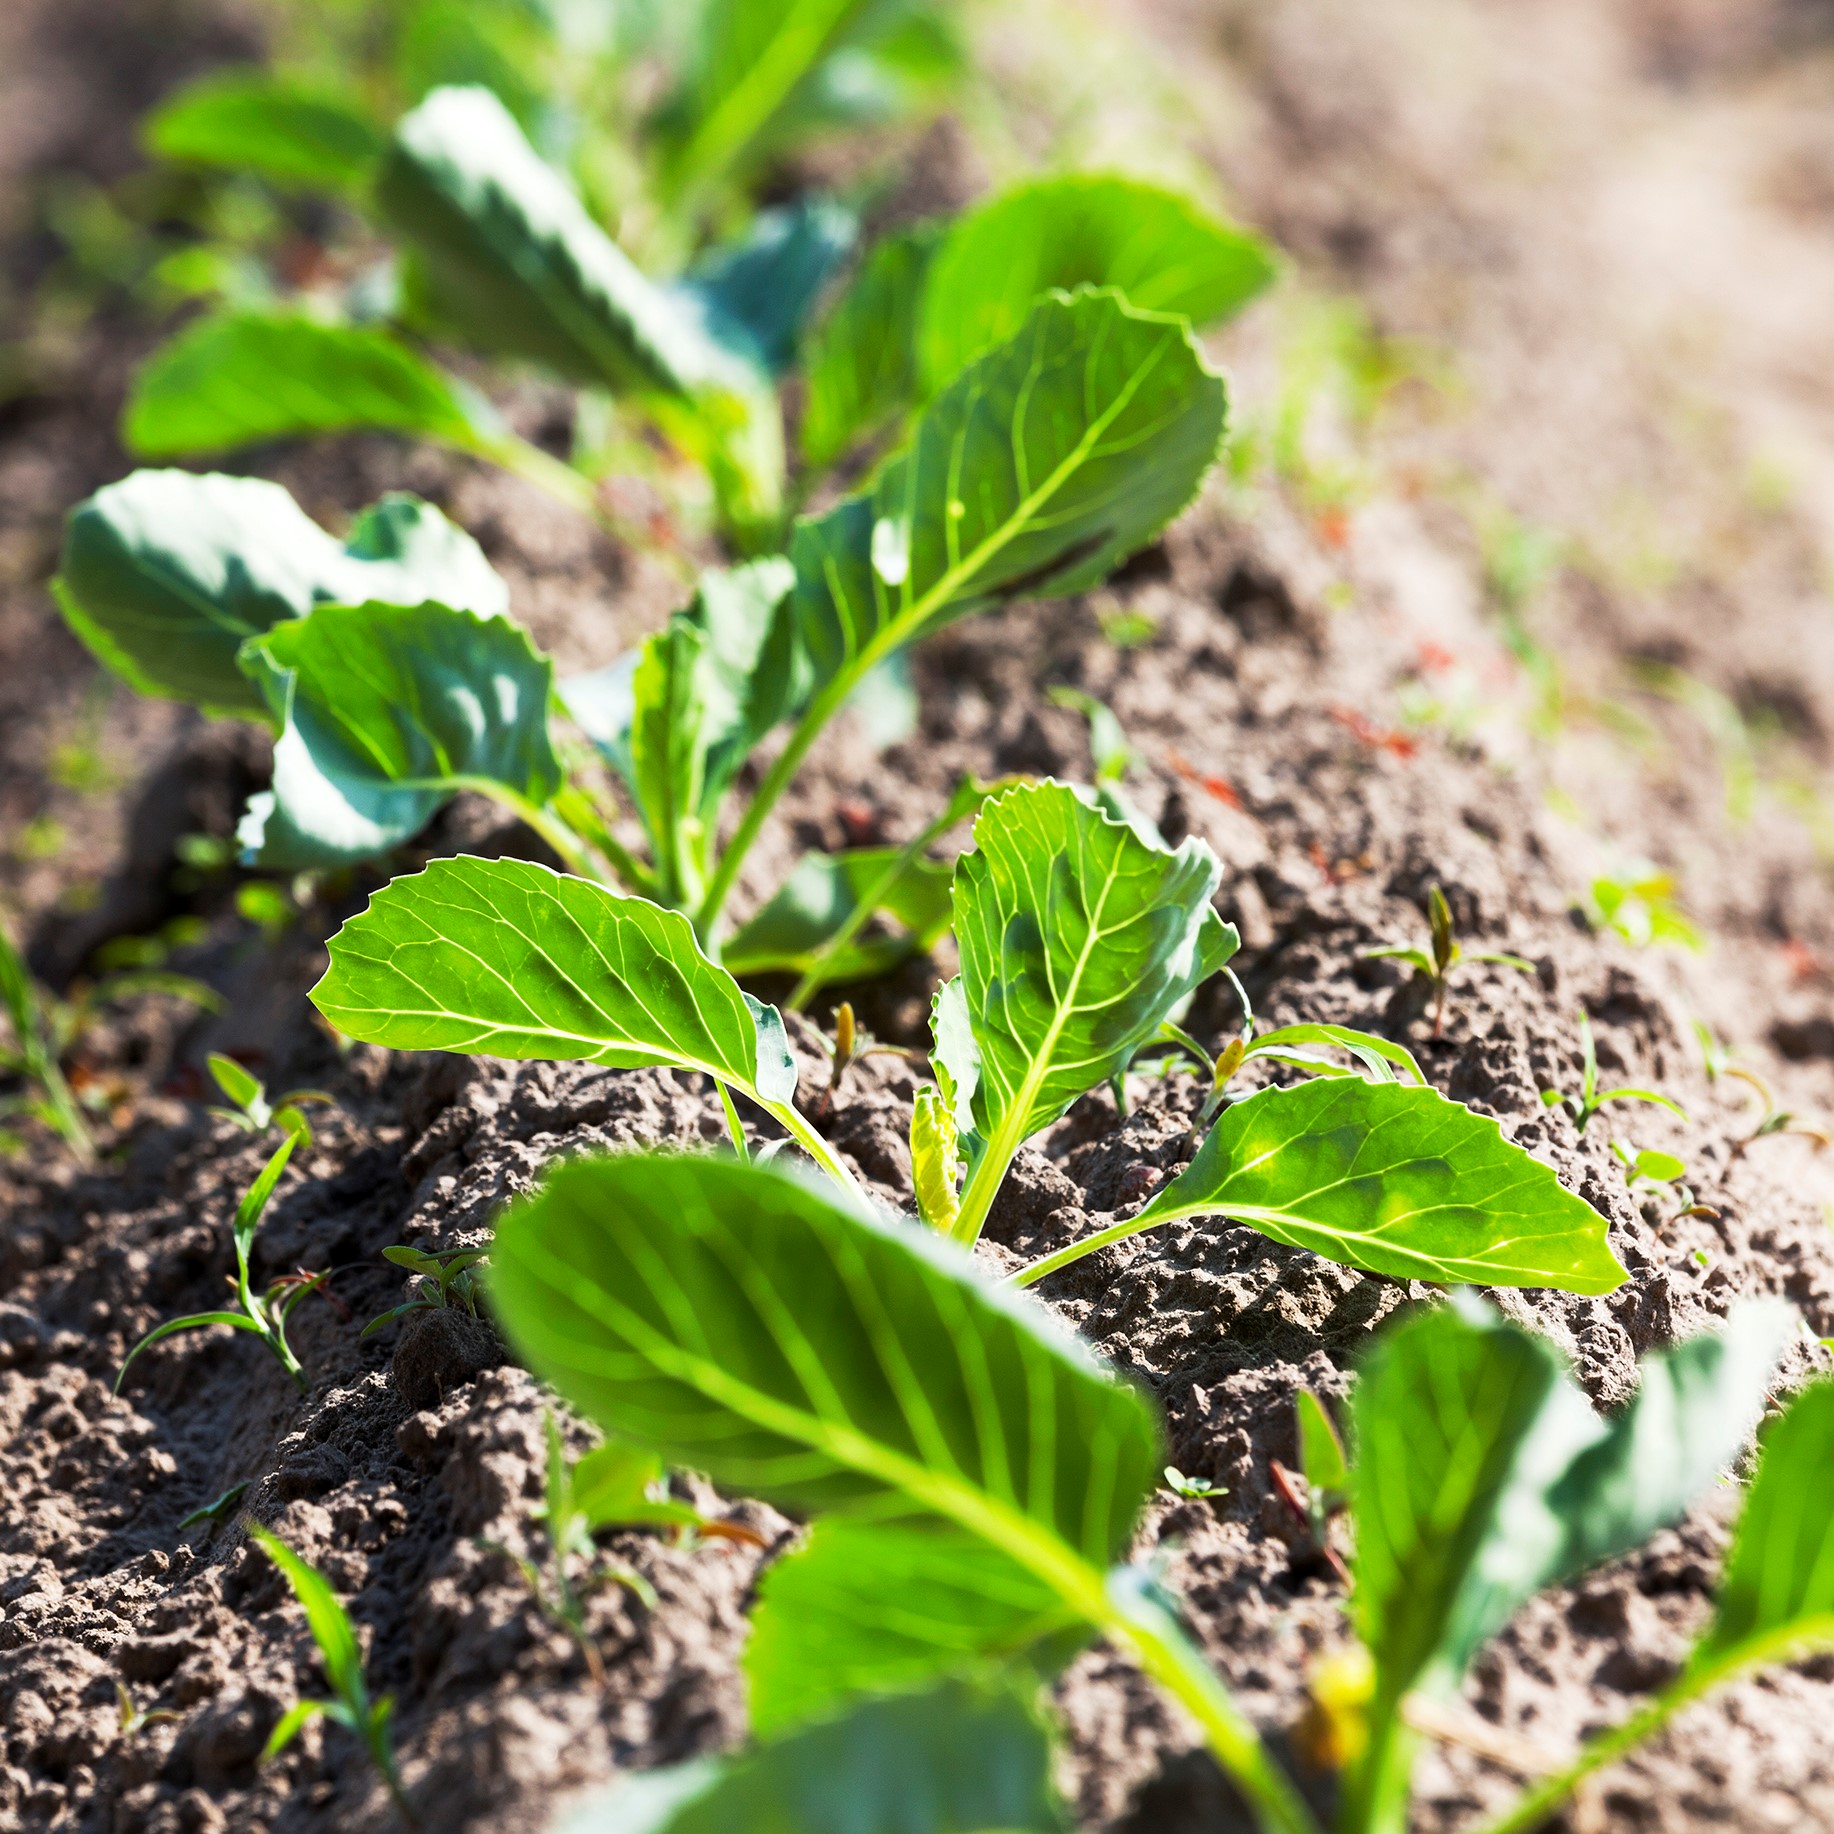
1264, 708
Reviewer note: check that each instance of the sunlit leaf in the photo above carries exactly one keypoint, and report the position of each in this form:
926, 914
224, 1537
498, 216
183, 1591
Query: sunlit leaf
238, 378
822, 893
166, 573
249, 120
1160, 249
383, 712
508, 959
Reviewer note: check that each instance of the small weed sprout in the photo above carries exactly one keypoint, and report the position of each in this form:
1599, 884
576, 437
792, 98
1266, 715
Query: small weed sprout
253, 1112
1194, 1489
266, 1314
218, 1511
1590, 1099
351, 1705
134, 1718
1638, 904
439, 1282
1717, 1061
1446, 955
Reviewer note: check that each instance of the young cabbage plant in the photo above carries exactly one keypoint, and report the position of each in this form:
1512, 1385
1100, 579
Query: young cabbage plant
1078, 940
956, 1449
265, 1315
1447, 955
1590, 1098
1481, 1475
351, 1705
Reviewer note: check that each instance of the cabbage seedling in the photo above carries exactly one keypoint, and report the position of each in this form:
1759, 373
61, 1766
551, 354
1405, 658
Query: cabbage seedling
350, 1706
769, 1331
266, 1314
1590, 1099
1446, 955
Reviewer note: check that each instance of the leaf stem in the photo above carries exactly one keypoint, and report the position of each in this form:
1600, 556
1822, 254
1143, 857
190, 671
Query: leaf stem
734, 1126
573, 851
815, 1146
574, 807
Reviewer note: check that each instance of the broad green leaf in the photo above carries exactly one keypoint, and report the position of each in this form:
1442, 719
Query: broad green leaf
879, 1607
1164, 252
1442, 1407
250, 120
508, 959
963, 1759
1396, 1180
936, 1164
238, 378
1584, 1490
795, 1348
751, 59
325, 1614
1077, 942
1321, 1452
1036, 471
823, 893
516, 264
166, 573
1777, 1596
861, 362
383, 712
611, 1488
755, 295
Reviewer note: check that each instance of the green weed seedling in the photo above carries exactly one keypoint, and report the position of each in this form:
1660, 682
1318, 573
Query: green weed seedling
1078, 941
133, 1719
1638, 904
1590, 1099
963, 1454
266, 1315
350, 1706
219, 1510
253, 1112
45, 1029
1446, 956
437, 1282
1771, 1120
1192, 1489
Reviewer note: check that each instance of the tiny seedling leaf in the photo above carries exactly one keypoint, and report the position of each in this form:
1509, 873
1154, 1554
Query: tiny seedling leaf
384, 711
1322, 1461
509, 959
166, 574
238, 378
293, 134
326, 1617
1161, 250
963, 1759
1394, 1179
879, 1607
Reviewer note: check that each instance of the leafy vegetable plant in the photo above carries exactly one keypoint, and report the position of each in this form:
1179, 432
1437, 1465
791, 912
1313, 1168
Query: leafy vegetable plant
265, 1314
1447, 954
1590, 1098
959, 1454
350, 1706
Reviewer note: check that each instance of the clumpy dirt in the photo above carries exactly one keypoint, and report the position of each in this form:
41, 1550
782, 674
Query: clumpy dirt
1262, 708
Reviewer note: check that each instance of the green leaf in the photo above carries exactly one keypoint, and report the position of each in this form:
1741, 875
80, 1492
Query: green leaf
1036, 472
166, 573
878, 1607
751, 59
238, 378
1078, 940
1159, 248
1777, 1596
508, 959
250, 120
1396, 1180
861, 362
822, 894
794, 1348
384, 711
1380, 1057
755, 294
518, 267
325, 1617
611, 1486
963, 1759
1586, 1490
936, 1166
1321, 1451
